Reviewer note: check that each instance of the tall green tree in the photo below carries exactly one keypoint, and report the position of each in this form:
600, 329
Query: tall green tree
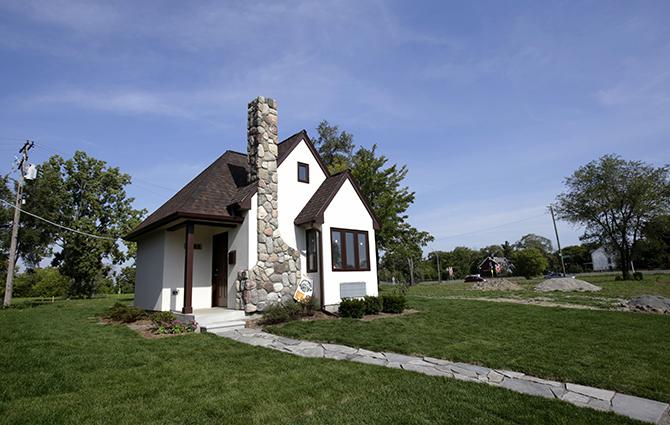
382, 185
529, 262
532, 240
653, 251
92, 199
335, 147
614, 199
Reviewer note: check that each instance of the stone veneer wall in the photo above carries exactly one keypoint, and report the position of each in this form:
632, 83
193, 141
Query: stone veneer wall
274, 277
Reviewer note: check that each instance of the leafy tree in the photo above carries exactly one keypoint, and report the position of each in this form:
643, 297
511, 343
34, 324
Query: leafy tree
335, 147
464, 261
653, 251
91, 198
529, 262
493, 250
43, 197
382, 186
507, 249
614, 199
575, 257
6, 217
125, 279
532, 240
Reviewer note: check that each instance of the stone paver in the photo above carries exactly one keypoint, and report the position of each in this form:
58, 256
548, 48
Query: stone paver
580, 395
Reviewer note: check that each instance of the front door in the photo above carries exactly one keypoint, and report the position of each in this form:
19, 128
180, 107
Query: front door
220, 270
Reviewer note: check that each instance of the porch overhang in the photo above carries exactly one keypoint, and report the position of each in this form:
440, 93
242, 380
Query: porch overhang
179, 219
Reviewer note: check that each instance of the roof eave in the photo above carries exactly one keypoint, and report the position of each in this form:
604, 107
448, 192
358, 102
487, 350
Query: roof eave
135, 234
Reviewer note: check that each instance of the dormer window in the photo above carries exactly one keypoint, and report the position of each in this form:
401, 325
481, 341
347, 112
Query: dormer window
303, 172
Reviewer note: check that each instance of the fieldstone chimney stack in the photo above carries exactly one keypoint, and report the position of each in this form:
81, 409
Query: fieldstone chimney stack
274, 277
262, 139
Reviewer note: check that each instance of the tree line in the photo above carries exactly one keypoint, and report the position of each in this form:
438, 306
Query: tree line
82, 193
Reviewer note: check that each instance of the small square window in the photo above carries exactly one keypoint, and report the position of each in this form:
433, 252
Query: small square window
303, 172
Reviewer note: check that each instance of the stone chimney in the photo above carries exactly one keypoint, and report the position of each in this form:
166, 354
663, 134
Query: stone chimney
274, 277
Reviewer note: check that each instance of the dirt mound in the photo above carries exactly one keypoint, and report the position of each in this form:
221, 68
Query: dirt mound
649, 303
566, 284
496, 285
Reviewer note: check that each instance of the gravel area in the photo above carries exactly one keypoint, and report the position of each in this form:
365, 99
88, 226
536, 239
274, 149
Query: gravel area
566, 284
496, 285
649, 303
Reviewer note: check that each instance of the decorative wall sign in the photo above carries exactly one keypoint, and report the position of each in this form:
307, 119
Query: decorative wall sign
304, 290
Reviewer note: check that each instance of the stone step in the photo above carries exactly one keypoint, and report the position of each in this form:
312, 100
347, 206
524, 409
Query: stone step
218, 326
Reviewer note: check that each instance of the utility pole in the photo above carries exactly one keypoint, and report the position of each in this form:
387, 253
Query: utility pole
558, 241
439, 273
15, 225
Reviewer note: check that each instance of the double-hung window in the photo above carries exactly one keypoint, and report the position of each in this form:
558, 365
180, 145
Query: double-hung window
350, 250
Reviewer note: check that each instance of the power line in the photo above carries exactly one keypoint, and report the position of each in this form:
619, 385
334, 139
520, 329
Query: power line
60, 225
491, 228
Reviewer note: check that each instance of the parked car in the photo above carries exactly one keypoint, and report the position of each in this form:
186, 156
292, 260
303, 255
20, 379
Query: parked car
474, 278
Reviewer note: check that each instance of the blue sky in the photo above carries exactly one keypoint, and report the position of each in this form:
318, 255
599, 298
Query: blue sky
490, 104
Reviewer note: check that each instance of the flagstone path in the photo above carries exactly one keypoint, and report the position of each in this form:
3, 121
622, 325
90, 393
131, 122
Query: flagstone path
605, 400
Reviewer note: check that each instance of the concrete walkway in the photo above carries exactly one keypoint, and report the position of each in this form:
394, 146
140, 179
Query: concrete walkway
609, 401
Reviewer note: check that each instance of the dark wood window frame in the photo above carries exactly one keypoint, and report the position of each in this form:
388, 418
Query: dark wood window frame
357, 267
306, 167
316, 252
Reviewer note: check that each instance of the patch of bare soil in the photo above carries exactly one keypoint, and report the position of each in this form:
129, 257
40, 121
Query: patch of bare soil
143, 327
496, 285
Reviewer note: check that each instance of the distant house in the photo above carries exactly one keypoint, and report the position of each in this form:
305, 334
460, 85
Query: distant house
258, 228
494, 266
603, 260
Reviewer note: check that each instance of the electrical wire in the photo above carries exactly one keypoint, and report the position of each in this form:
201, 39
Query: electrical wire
59, 225
490, 228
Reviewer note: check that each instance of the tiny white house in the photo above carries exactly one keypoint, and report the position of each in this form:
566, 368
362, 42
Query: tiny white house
603, 260
252, 228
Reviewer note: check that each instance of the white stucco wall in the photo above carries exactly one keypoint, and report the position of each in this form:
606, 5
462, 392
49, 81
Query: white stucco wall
148, 281
293, 195
173, 271
347, 211
160, 265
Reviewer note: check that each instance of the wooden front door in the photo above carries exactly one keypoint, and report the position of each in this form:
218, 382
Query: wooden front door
220, 270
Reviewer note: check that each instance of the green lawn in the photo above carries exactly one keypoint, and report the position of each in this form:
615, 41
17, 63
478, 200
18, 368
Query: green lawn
626, 352
612, 291
59, 366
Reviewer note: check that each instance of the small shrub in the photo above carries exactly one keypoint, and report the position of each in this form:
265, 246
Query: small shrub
176, 327
120, 312
373, 305
277, 313
352, 307
280, 313
394, 303
618, 278
308, 307
161, 318
638, 276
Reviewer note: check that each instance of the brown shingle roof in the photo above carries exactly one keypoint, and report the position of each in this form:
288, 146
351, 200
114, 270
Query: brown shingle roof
313, 211
210, 194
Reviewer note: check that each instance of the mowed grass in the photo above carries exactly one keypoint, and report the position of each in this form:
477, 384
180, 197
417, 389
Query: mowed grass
59, 366
610, 295
626, 352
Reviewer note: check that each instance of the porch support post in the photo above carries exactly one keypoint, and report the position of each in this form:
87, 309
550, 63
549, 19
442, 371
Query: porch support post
188, 270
